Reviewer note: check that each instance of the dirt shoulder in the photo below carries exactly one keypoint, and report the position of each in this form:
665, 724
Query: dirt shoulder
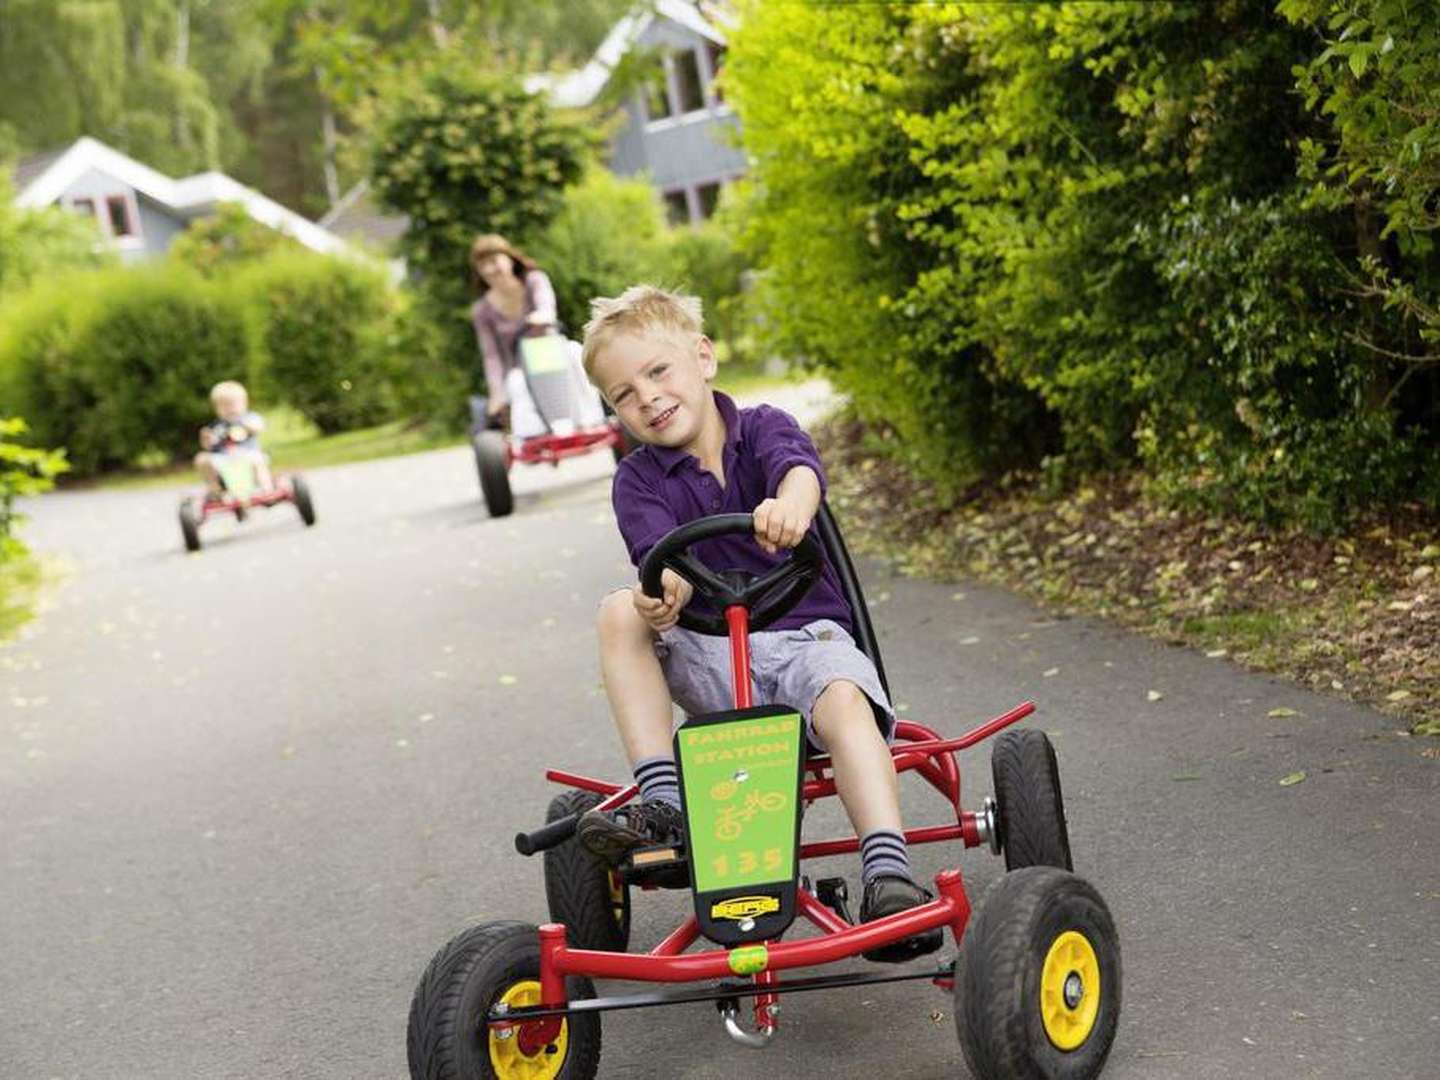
1357, 615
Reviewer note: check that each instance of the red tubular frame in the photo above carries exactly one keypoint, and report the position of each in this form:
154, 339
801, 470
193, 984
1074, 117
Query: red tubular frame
210, 506
917, 748
552, 449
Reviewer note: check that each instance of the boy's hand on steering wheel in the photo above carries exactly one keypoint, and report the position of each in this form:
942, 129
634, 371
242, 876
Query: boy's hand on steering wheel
664, 613
778, 524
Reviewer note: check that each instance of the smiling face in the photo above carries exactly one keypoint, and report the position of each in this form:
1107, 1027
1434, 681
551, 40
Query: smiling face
658, 384
230, 404
494, 267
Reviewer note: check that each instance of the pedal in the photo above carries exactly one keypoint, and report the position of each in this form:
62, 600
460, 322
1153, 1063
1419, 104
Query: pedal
835, 894
659, 867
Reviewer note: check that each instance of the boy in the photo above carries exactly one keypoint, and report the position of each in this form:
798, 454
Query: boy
235, 430
646, 352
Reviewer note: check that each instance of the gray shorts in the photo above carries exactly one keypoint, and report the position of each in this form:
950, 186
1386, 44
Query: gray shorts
787, 667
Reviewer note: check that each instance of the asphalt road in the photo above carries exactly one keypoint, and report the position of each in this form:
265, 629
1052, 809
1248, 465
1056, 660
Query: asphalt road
246, 794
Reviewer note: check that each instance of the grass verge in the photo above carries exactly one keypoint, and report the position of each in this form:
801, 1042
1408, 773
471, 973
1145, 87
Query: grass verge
1355, 614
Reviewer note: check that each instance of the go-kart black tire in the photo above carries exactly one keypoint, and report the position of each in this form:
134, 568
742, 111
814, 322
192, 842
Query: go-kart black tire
190, 525
490, 461
582, 892
303, 502
1031, 807
1010, 1005
447, 1038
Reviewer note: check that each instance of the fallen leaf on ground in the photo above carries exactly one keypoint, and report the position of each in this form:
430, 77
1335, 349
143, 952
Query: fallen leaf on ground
1050, 673
970, 641
1154, 695
1281, 712
1185, 776
1291, 779
508, 680
1215, 654
1397, 695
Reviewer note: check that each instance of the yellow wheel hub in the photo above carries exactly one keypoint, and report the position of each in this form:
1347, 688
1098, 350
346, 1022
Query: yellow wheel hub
1070, 990
505, 1055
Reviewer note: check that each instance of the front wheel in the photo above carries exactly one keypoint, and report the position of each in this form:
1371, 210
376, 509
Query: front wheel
489, 964
303, 502
1031, 807
190, 525
1037, 982
493, 464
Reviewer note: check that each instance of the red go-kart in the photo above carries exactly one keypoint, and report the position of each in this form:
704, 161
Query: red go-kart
245, 482
1036, 983
554, 414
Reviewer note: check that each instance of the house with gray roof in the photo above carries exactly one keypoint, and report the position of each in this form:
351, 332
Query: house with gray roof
677, 128
141, 210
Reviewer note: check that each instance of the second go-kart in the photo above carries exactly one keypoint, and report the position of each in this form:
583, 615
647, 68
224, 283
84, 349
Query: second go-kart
245, 482
554, 414
1036, 983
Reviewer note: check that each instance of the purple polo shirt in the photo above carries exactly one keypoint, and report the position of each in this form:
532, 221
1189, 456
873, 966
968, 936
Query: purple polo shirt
657, 488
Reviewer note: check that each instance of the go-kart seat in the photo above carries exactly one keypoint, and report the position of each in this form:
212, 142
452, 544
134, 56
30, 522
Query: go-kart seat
839, 558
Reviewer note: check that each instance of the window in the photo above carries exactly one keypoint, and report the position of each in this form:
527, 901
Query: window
707, 195
687, 82
657, 96
118, 208
677, 208
84, 207
716, 54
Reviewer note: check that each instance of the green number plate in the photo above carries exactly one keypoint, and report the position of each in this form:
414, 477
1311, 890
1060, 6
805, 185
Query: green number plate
545, 355
740, 777
238, 474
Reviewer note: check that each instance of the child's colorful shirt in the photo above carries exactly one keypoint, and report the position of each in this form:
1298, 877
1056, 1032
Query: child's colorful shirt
225, 429
657, 488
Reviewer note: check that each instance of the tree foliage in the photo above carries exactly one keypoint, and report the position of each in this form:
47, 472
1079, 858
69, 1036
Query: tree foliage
462, 153
1081, 235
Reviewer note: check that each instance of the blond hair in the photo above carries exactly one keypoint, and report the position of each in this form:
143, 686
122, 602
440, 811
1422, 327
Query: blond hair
640, 309
229, 389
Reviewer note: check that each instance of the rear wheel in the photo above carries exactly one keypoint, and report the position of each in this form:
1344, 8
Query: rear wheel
486, 965
190, 524
303, 502
1037, 982
1031, 807
493, 464
583, 893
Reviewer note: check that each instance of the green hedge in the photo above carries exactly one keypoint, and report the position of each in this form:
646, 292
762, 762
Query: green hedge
1080, 236
325, 330
118, 363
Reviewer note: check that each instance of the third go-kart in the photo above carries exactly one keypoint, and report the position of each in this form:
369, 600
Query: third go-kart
245, 482
555, 414
1036, 983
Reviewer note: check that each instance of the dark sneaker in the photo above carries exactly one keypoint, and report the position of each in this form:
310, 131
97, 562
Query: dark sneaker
613, 834
890, 895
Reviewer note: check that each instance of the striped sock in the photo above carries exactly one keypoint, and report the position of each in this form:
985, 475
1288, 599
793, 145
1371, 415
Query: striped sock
883, 852
658, 780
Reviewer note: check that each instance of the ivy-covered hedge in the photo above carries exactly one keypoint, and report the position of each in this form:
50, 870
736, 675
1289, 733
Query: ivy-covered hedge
325, 332
113, 364
117, 364
1075, 236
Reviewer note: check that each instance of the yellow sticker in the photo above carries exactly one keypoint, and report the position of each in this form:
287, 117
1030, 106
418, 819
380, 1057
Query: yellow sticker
749, 959
744, 907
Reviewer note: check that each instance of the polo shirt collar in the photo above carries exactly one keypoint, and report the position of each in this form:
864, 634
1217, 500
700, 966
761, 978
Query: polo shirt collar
672, 457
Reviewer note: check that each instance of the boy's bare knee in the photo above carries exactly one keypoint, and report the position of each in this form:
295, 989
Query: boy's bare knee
619, 621
840, 706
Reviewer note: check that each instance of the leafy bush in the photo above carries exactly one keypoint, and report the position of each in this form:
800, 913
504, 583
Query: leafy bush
36, 243
24, 471
117, 363
325, 326
462, 152
1082, 236
228, 239
610, 233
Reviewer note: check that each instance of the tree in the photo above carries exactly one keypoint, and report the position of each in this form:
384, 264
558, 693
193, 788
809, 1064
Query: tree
462, 153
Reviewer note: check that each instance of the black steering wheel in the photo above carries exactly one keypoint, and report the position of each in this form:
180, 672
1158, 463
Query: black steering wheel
766, 596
